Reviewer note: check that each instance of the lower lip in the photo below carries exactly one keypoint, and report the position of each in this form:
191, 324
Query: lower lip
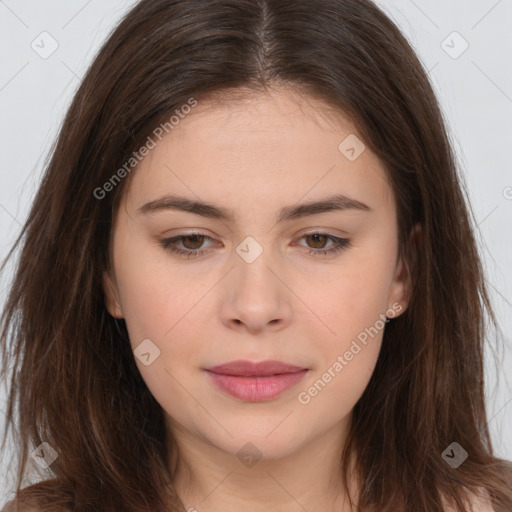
256, 389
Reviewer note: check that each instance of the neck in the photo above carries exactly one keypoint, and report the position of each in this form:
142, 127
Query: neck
209, 479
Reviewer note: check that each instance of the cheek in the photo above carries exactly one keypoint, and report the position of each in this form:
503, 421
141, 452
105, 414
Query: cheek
354, 308
171, 309
156, 297
166, 308
354, 299
333, 391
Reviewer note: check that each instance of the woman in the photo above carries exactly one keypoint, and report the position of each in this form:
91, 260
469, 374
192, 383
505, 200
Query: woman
249, 278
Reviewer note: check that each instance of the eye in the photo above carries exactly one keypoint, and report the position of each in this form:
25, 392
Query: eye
193, 242
320, 239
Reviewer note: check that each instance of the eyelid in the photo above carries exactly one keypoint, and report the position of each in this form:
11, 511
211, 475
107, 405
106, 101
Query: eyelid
337, 233
309, 231
306, 231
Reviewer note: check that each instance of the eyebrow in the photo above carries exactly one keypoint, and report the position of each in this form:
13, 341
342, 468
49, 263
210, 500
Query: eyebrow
337, 202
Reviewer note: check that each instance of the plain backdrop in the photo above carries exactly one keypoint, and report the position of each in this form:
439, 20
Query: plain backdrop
465, 45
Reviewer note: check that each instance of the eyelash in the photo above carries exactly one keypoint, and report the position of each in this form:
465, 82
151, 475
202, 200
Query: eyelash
339, 245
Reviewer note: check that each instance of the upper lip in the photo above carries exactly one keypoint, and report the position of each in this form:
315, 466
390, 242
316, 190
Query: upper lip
250, 368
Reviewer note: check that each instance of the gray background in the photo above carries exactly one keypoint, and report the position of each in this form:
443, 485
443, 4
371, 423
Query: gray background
474, 87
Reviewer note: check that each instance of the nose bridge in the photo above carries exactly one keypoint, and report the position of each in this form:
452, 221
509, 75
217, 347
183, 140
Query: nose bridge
253, 264
256, 295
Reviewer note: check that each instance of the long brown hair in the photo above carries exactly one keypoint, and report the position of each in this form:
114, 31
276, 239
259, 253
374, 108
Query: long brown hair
73, 380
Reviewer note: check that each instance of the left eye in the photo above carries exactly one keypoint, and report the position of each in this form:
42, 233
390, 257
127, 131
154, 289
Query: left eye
195, 242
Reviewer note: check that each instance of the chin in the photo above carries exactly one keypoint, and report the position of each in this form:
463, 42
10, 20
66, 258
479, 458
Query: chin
264, 444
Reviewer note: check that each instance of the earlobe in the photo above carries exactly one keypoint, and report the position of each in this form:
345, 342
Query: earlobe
401, 289
112, 302
399, 296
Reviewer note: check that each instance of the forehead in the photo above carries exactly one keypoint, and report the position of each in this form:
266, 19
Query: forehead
259, 115
274, 145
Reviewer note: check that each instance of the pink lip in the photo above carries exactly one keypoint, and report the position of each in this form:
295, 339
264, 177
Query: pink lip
255, 382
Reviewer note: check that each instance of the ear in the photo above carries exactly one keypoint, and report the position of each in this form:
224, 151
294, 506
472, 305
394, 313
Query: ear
111, 295
401, 287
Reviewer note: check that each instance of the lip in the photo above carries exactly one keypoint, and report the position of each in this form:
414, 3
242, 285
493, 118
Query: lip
255, 369
256, 381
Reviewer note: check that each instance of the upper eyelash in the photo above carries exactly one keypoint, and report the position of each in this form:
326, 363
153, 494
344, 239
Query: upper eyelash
166, 243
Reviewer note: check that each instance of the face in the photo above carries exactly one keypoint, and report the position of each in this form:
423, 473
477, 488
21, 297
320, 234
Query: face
261, 277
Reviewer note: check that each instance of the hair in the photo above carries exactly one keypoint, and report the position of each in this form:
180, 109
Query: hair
74, 382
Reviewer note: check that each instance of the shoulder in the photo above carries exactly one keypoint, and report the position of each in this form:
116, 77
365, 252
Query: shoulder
10, 507
44, 496
22, 507
480, 502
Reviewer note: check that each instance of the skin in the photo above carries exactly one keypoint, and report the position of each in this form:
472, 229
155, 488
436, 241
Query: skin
255, 156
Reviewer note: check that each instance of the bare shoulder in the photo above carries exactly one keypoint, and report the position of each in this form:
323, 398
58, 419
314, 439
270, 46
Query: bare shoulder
480, 502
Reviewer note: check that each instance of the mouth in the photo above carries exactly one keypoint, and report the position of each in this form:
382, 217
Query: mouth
255, 382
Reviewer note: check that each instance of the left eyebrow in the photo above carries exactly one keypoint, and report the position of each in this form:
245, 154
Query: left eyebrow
337, 202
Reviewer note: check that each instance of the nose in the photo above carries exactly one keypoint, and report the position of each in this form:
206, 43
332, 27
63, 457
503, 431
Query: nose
256, 297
